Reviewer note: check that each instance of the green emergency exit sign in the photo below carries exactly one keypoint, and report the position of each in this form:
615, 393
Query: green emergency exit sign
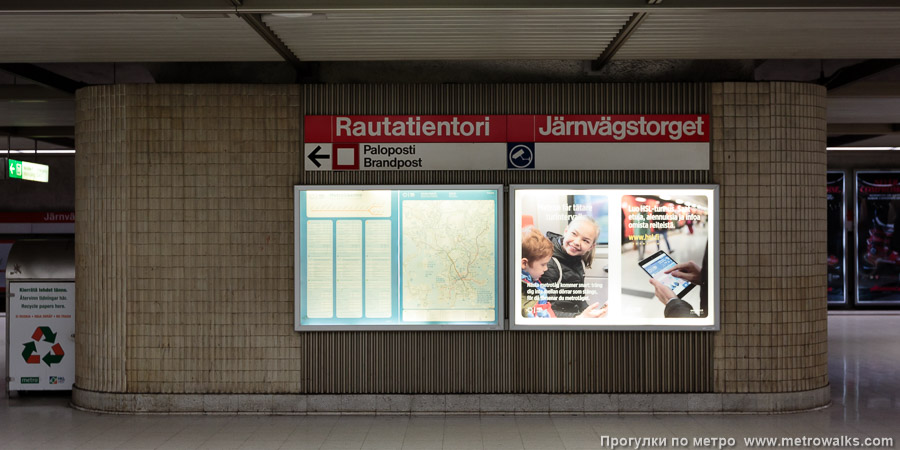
25, 170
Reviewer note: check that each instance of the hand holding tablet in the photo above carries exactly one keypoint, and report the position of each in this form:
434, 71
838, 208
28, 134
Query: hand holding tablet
665, 271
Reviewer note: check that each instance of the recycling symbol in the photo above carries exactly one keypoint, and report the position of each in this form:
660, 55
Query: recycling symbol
31, 355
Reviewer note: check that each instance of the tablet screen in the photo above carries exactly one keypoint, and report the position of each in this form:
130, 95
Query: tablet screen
657, 264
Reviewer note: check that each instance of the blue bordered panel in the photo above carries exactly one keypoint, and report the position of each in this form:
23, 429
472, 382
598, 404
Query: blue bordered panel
398, 257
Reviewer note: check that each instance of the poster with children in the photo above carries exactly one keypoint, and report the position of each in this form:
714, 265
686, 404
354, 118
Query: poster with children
620, 257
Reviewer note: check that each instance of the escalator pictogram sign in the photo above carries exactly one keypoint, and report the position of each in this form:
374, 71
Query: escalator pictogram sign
30, 353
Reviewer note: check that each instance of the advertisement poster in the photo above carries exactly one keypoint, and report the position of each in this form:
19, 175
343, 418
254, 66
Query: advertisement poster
836, 239
613, 257
878, 212
41, 336
411, 257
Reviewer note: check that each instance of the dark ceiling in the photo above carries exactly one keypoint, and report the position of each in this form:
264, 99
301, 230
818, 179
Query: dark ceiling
51, 48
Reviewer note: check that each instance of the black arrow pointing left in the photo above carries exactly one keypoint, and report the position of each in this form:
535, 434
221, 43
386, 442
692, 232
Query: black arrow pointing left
315, 156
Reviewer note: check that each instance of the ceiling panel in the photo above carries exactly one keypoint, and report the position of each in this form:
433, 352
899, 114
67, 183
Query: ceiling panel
766, 35
45, 113
863, 110
129, 38
447, 35
18, 143
890, 140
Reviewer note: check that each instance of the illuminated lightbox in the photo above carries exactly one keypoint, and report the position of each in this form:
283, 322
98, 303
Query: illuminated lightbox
583, 257
877, 246
837, 239
410, 257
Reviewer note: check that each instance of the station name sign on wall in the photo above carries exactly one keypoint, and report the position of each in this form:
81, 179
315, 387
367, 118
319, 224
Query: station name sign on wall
500, 142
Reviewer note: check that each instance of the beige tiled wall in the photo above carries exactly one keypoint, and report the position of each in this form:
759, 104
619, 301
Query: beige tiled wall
185, 246
196, 278
769, 157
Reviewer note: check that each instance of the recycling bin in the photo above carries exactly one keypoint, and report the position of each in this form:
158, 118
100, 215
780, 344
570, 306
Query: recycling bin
40, 305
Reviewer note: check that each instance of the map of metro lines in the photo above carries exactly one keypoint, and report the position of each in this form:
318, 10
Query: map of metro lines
448, 254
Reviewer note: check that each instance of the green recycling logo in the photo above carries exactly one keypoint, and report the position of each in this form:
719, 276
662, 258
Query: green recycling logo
31, 355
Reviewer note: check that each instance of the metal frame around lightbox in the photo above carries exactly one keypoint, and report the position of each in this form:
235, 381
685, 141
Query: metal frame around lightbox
856, 301
844, 207
498, 323
714, 273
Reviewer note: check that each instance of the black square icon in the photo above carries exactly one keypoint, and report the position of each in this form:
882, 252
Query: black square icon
520, 155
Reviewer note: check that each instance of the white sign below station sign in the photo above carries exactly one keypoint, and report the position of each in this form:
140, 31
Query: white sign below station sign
501, 142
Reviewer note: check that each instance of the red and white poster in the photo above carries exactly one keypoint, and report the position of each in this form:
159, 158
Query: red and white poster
877, 243
501, 142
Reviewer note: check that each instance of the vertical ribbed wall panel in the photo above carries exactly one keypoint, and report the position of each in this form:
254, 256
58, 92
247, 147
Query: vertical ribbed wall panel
102, 240
506, 362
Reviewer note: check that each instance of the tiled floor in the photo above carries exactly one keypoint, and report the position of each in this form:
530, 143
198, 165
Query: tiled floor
864, 363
